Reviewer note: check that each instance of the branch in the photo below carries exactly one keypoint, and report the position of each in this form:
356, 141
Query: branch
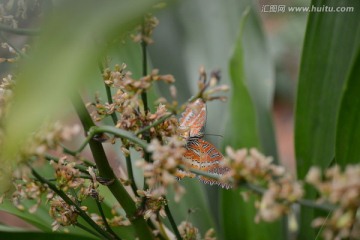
19, 31
108, 94
260, 190
157, 122
65, 197
105, 170
172, 222
93, 130
144, 67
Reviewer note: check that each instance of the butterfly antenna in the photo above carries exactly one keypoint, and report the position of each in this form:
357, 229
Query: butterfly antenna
210, 134
190, 211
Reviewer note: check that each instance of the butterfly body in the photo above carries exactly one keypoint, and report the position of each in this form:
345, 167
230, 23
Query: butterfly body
200, 154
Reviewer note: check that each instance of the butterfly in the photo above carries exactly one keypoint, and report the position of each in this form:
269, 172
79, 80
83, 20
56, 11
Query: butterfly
199, 154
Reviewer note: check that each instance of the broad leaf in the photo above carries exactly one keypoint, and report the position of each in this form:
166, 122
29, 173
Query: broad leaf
330, 43
348, 126
237, 215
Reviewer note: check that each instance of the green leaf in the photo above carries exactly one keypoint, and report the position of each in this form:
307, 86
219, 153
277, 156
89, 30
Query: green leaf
41, 235
5, 228
39, 219
330, 43
348, 126
63, 57
243, 131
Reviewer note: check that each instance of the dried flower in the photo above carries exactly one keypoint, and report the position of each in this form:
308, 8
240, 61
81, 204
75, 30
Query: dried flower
340, 188
28, 189
67, 176
145, 31
63, 213
154, 204
161, 172
188, 231
254, 168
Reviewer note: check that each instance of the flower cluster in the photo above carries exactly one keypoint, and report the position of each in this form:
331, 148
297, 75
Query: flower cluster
281, 190
145, 31
207, 89
63, 213
342, 189
67, 176
152, 204
28, 189
166, 128
6, 89
188, 231
127, 106
49, 138
161, 172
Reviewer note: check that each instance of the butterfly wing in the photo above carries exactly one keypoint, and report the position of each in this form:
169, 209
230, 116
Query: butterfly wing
203, 156
192, 121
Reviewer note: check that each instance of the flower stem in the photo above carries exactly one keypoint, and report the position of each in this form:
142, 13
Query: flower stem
81, 212
87, 229
108, 94
107, 226
260, 190
105, 170
172, 222
161, 227
131, 174
18, 51
93, 130
157, 122
144, 67
80, 167
19, 31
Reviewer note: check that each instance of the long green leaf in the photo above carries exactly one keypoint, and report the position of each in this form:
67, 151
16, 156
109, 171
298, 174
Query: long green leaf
237, 215
39, 219
330, 43
25, 235
348, 126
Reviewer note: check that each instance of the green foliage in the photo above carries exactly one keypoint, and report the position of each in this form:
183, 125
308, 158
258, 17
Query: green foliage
348, 125
327, 123
330, 44
243, 129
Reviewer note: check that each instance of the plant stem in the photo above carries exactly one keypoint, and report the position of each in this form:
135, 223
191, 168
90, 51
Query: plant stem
131, 174
108, 94
161, 227
87, 229
172, 222
259, 190
18, 51
93, 130
81, 212
81, 168
157, 122
105, 170
107, 226
19, 31
144, 94
144, 67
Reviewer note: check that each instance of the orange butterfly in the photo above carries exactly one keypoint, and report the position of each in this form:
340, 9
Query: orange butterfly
200, 154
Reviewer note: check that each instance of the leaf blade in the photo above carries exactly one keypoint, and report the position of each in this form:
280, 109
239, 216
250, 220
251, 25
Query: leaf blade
329, 45
348, 127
